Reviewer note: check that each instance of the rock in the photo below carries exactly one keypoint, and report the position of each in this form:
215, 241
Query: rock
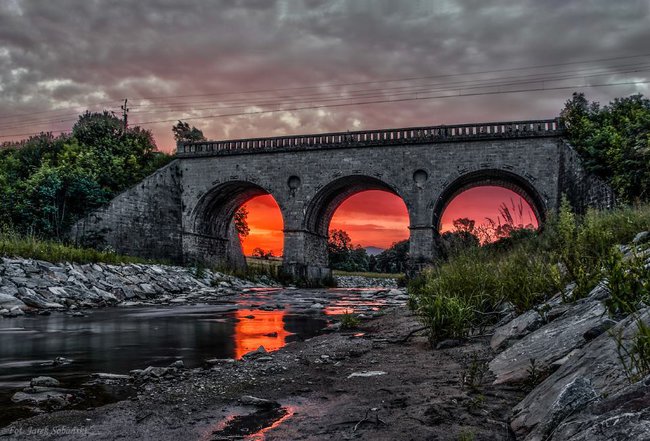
365, 374
317, 306
58, 291
598, 362
154, 371
8, 301
44, 382
178, 364
574, 397
53, 399
600, 292
249, 400
105, 295
108, 376
641, 237
254, 354
547, 344
61, 361
35, 300
598, 329
622, 416
213, 361
518, 328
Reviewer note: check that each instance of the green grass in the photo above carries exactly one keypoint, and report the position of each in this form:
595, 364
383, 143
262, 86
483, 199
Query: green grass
466, 292
29, 247
349, 321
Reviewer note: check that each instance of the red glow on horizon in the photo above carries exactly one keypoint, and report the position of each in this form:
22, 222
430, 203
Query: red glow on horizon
373, 218
378, 218
481, 203
266, 225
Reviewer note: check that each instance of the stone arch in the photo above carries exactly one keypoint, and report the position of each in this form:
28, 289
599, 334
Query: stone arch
306, 248
212, 226
323, 205
493, 177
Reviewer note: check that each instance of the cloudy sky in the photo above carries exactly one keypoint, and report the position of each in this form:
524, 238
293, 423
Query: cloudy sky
200, 60
237, 68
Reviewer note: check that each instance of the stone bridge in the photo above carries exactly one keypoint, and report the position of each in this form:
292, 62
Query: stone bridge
184, 212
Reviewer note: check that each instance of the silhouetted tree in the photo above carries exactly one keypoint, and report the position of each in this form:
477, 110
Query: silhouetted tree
184, 133
241, 222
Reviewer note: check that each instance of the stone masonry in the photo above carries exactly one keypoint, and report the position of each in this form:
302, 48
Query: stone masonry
184, 211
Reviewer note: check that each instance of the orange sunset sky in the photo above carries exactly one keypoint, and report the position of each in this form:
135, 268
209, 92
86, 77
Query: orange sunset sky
377, 218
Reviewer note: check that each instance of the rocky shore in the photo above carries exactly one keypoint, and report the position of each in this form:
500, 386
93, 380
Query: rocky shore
559, 372
34, 286
365, 282
577, 359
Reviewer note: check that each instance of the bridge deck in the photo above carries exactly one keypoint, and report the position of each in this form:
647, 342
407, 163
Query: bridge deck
368, 138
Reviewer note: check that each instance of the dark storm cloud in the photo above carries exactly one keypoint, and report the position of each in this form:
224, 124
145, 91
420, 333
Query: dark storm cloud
76, 53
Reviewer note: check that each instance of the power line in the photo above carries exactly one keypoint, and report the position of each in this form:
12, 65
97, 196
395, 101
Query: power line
540, 76
397, 100
324, 85
372, 93
405, 79
383, 101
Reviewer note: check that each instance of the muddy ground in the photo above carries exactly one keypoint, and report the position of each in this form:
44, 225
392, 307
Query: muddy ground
423, 394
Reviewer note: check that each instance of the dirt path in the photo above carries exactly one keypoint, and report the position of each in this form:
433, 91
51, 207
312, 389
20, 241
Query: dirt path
420, 395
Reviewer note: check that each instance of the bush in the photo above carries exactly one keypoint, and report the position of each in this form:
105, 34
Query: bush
628, 282
468, 291
349, 321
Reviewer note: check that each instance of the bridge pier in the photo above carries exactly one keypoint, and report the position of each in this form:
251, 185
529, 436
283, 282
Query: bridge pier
305, 255
422, 248
213, 250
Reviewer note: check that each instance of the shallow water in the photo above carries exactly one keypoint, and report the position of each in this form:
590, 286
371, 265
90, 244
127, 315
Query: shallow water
121, 339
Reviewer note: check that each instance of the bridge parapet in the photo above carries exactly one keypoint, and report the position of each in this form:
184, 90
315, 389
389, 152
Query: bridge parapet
368, 138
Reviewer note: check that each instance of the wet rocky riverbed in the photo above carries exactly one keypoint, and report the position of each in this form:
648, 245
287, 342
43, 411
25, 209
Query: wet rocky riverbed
91, 353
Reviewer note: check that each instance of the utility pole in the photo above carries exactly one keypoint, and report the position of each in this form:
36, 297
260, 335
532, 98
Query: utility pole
125, 114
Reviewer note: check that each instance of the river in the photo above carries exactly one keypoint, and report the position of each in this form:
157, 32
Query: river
120, 339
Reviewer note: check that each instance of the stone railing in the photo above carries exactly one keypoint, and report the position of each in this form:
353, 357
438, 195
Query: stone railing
411, 135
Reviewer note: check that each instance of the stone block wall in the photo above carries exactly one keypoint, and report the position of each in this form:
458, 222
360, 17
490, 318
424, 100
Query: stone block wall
143, 221
582, 189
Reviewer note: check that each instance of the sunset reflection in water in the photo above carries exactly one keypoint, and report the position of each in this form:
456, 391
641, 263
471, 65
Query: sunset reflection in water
266, 328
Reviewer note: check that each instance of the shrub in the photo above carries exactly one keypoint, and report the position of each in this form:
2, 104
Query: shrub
628, 282
349, 321
466, 292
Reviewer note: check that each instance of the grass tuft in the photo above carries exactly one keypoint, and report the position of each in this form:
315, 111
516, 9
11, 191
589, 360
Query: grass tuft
468, 291
31, 247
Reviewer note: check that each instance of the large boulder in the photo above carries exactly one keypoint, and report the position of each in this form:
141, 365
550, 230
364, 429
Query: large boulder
598, 362
574, 397
620, 417
516, 329
8, 301
36, 300
548, 344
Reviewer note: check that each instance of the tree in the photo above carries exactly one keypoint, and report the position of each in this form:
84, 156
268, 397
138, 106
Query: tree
47, 182
394, 259
241, 222
614, 141
464, 224
259, 253
343, 255
184, 133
